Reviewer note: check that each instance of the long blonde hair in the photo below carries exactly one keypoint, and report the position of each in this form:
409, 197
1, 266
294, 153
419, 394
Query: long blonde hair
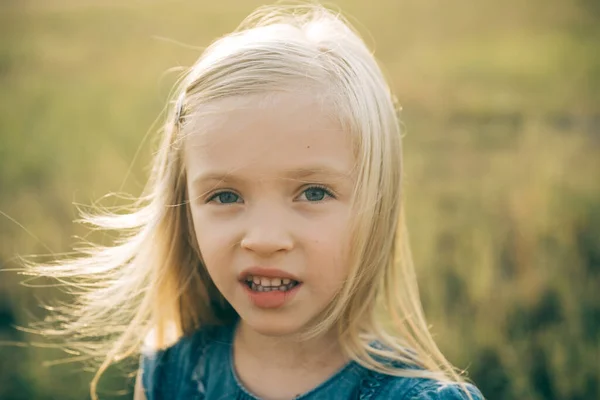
152, 282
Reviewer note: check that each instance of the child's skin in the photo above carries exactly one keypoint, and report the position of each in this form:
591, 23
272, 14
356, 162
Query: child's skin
263, 209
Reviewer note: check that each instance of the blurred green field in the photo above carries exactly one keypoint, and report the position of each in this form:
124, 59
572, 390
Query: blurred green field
501, 105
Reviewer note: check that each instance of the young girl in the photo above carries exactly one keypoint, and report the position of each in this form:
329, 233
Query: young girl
269, 257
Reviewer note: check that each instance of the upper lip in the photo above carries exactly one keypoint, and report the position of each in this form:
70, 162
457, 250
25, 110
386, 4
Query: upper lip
266, 272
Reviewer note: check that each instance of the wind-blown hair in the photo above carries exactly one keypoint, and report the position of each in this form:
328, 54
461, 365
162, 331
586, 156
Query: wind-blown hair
152, 283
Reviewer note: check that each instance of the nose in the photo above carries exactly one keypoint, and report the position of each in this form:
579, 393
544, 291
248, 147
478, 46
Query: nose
267, 232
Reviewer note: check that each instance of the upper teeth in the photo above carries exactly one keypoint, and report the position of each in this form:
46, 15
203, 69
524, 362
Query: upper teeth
259, 280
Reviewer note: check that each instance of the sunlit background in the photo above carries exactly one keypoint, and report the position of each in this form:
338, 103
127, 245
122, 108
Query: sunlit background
501, 107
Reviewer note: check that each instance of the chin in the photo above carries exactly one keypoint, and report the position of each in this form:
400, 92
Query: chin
274, 325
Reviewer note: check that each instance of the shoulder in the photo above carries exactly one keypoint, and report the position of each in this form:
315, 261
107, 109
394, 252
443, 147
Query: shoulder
428, 389
415, 385
164, 370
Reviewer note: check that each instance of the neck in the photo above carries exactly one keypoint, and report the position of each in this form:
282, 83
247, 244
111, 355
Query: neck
276, 368
288, 351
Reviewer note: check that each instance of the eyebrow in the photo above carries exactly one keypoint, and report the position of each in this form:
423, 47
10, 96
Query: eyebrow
325, 171
292, 174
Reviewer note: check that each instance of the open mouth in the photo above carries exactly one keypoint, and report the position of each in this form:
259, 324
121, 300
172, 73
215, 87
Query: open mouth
262, 284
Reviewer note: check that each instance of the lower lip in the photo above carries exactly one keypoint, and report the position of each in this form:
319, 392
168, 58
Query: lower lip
272, 299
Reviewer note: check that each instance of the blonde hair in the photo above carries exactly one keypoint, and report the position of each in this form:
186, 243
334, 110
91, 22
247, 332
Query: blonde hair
152, 282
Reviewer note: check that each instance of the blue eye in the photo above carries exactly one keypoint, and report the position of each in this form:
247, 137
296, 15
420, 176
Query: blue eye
225, 198
316, 193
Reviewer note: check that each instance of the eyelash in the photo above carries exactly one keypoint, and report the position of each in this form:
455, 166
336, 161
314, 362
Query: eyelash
213, 196
323, 188
327, 191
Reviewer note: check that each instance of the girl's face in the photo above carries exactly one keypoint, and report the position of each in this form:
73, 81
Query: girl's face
270, 184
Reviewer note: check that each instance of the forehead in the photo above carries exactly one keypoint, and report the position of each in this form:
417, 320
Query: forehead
266, 136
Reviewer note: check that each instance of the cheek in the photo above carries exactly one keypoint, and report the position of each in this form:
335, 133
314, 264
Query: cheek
213, 241
330, 251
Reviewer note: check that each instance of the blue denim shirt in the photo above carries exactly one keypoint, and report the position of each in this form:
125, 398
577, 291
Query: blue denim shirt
200, 367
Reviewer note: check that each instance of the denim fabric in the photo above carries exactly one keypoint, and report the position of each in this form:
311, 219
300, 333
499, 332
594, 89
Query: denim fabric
200, 367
